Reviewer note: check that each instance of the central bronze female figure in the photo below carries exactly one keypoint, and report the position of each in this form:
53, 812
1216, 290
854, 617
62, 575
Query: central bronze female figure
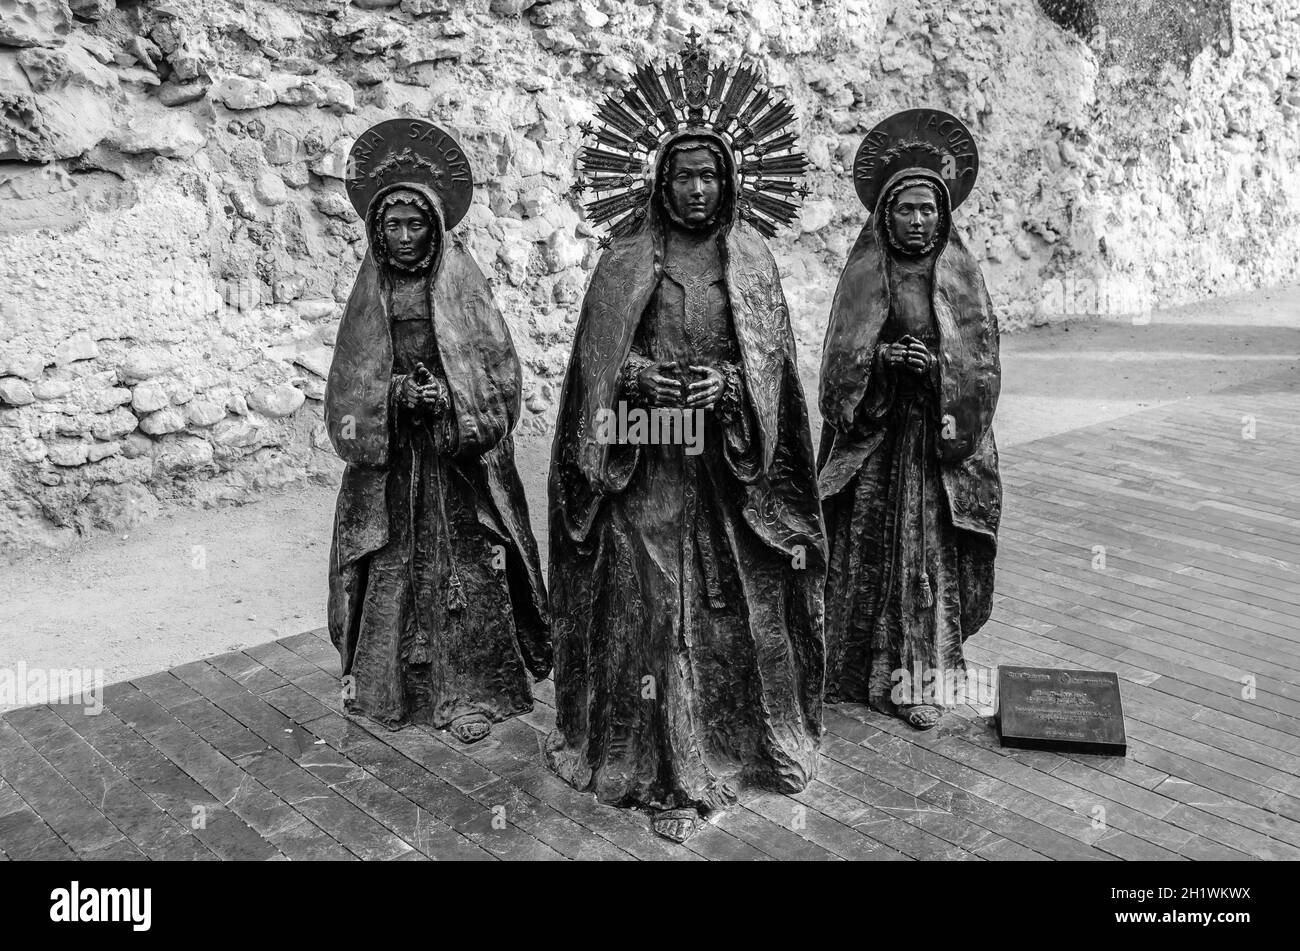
686, 577
436, 600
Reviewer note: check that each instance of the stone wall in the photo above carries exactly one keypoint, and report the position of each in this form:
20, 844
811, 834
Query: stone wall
175, 242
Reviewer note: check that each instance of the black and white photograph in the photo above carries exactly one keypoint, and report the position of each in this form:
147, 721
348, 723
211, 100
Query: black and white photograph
651, 430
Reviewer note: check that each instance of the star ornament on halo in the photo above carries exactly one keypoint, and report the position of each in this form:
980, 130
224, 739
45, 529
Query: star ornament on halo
692, 94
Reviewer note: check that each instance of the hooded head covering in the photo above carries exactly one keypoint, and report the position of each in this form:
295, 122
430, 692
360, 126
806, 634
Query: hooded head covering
969, 368
474, 344
585, 468
728, 111
634, 265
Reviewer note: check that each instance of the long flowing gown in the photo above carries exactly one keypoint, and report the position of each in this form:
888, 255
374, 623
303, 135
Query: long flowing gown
436, 632
905, 587
686, 683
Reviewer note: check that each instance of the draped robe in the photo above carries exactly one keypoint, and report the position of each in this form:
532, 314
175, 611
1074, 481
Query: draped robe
686, 591
907, 466
436, 603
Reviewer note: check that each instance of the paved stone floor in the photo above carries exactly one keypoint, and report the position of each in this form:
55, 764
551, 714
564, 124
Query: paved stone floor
245, 755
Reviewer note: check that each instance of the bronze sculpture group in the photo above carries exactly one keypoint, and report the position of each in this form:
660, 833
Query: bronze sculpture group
711, 577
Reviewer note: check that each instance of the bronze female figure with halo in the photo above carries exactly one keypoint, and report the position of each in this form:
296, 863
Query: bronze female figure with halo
436, 601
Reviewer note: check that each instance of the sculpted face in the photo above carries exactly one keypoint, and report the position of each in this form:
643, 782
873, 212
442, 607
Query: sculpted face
694, 185
914, 217
407, 233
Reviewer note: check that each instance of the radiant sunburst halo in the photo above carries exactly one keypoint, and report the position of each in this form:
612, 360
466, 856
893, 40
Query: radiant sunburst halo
677, 97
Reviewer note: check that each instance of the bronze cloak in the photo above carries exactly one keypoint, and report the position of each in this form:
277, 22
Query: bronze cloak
780, 505
484, 377
969, 371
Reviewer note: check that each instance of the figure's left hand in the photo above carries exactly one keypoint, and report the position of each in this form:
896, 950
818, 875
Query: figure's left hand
919, 358
705, 392
433, 397
432, 394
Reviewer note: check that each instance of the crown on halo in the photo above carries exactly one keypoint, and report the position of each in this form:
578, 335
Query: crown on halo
692, 94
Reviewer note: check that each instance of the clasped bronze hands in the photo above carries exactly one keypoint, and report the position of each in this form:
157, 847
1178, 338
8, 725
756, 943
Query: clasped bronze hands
421, 389
909, 352
665, 384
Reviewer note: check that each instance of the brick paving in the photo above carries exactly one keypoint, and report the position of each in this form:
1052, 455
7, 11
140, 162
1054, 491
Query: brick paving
246, 755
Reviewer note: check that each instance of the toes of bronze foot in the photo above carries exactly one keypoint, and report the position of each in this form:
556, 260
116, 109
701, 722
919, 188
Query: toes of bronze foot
676, 825
472, 728
722, 795
923, 716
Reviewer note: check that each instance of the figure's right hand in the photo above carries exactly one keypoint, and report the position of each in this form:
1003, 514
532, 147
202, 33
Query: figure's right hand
409, 393
910, 353
433, 397
657, 388
895, 354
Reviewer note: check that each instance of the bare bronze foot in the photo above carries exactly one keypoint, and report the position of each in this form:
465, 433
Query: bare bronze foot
922, 716
676, 825
719, 796
471, 728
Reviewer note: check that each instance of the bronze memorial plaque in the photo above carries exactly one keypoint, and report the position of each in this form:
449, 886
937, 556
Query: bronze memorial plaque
1040, 708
